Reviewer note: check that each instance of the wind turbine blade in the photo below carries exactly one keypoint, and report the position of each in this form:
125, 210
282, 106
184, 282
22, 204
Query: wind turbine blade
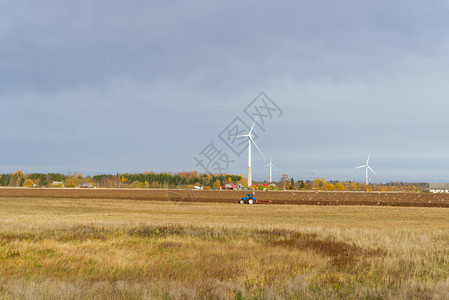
367, 161
371, 170
359, 167
238, 136
275, 166
257, 148
252, 127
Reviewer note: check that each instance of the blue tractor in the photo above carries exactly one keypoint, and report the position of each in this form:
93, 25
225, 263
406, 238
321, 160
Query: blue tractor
248, 199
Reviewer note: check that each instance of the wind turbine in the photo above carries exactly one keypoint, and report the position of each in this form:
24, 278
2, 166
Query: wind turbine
270, 165
367, 167
250, 141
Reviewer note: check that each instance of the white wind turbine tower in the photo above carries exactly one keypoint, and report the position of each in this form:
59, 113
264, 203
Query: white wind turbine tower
270, 165
250, 141
367, 167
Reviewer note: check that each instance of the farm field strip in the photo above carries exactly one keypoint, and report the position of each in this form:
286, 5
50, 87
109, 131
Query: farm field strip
278, 197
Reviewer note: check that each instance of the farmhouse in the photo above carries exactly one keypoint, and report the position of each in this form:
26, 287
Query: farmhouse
85, 186
267, 187
229, 186
439, 188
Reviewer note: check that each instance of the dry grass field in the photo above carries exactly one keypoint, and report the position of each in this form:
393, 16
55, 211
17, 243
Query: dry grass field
128, 249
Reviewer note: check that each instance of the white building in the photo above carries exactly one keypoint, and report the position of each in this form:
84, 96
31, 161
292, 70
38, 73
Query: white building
439, 188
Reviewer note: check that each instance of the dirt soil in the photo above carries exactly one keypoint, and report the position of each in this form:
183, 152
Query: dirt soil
278, 197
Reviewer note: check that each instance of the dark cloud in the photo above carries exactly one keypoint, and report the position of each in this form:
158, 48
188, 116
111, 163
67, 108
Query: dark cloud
119, 85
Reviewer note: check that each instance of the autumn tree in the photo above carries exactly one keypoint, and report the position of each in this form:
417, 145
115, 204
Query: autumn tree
284, 182
73, 181
28, 183
136, 184
340, 187
217, 184
328, 186
243, 181
367, 188
319, 183
18, 178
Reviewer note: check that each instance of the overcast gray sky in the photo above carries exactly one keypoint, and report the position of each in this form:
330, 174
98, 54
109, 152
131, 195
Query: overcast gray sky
130, 86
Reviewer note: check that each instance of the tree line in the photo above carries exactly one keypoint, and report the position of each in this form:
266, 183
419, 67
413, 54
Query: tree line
188, 180
124, 180
166, 180
287, 183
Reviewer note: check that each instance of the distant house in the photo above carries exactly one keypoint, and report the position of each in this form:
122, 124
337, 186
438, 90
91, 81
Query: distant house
267, 186
57, 184
439, 188
85, 186
240, 186
229, 186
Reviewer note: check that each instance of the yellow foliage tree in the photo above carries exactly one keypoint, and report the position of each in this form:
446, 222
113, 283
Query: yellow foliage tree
243, 181
217, 184
367, 188
319, 183
340, 187
28, 183
18, 174
18, 178
329, 186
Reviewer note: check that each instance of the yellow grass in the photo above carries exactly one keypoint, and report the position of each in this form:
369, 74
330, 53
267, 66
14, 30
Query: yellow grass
119, 249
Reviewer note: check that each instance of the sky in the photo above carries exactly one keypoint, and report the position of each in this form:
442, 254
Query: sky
114, 86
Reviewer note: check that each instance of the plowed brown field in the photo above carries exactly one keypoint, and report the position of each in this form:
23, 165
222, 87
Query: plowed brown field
278, 197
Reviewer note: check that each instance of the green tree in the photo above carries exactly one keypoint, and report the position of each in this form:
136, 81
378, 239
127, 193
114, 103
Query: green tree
5, 179
43, 180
